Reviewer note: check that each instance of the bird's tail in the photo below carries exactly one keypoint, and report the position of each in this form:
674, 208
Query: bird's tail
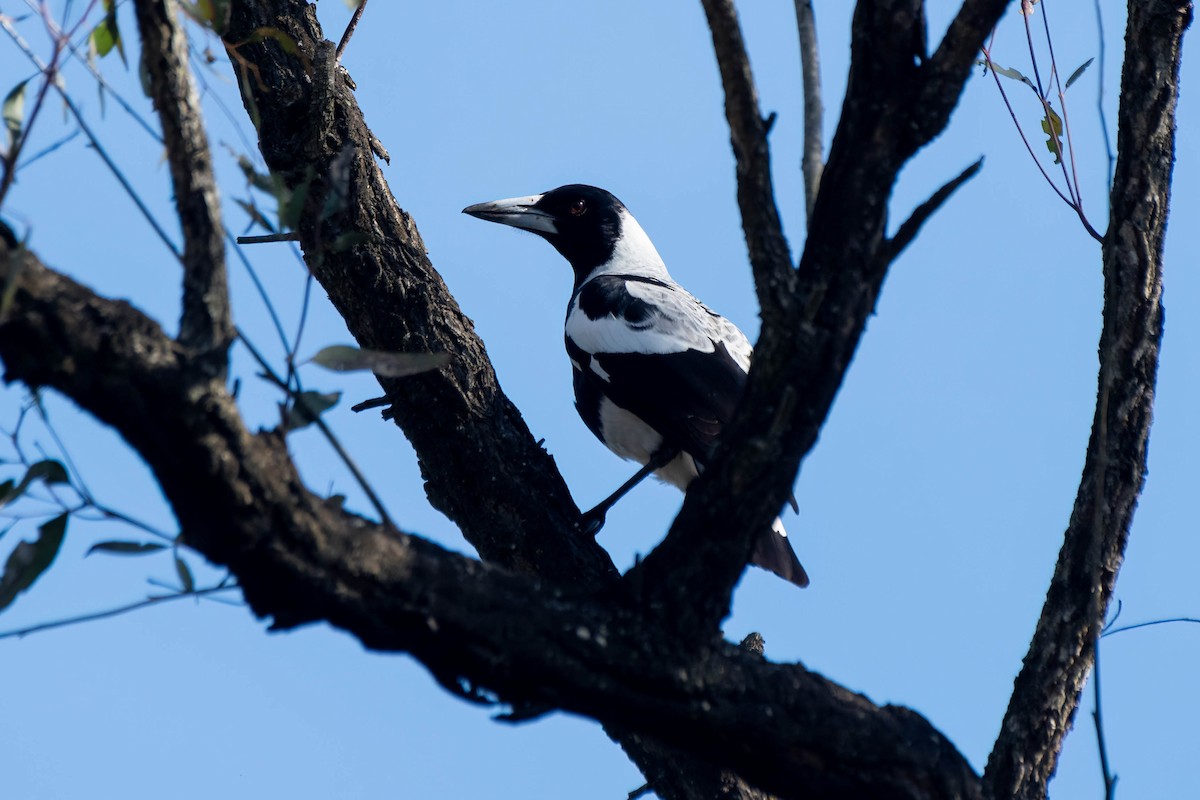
773, 551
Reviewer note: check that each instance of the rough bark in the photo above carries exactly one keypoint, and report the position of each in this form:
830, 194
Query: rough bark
485, 632
206, 324
543, 623
1046, 692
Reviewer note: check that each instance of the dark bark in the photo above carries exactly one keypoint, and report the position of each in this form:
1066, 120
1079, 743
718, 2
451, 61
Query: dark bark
206, 325
485, 632
543, 623
482, 467
1046, 693
813, 317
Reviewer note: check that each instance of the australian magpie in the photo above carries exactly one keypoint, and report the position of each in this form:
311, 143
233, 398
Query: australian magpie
657, 374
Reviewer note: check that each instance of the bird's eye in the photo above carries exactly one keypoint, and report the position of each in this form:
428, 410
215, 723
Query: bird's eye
578, 207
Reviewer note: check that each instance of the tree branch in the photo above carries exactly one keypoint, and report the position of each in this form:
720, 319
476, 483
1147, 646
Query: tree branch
1046, 692
803, 352
206, 325
770, 258
483, 468
483, 631
813, 160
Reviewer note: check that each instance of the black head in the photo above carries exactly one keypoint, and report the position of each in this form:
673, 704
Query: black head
582, 222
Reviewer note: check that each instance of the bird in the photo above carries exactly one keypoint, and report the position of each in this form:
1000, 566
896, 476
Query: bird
657, 374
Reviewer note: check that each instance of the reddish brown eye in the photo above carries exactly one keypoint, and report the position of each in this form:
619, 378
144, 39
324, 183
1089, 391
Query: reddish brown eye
578, 207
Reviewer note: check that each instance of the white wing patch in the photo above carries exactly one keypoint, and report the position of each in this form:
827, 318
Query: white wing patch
678, 322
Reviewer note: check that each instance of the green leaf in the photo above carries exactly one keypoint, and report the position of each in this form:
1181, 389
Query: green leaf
1075, 75
29, 560
1005, 71
1052, 125
185, 575
213, 14
124, 548
14, 112
308, 406
49, 471
345, 358
106, 35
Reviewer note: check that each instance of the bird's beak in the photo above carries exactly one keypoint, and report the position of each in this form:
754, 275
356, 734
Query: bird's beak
517, 212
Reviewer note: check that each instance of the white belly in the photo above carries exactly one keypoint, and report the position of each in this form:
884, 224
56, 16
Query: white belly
629, 437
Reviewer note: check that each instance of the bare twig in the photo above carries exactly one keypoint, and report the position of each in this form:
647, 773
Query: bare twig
112, 612
93, 140
813, 160
1108, 150
1136, 626
285, 236
345, 40
909, 229
361, 479
1110, 780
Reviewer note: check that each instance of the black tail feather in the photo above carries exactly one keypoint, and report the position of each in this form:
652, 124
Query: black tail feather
774, 552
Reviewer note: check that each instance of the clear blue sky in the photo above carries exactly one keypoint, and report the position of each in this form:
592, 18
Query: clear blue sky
931, 510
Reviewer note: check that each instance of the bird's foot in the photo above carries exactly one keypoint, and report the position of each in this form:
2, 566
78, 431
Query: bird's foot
592, 521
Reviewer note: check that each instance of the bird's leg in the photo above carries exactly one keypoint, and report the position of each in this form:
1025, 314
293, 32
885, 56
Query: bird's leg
592, 521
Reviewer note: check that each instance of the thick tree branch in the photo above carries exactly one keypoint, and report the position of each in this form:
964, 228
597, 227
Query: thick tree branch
804, 350
1060, 656
206, 325
483, 631
483, 468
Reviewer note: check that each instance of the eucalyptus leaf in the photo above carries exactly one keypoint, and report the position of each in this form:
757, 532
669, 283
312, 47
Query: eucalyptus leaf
1052, 125
48, 470
123, 548
347, 358
185, 575
308, 406
1079, 71
14, 111
29, 560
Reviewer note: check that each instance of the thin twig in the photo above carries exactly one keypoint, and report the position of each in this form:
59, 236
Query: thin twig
1108, 150
813, 161
112, 612
1135, 626
361, 479
912, 226
92, 139
987, 57
285, 236
1110, 780
345, 40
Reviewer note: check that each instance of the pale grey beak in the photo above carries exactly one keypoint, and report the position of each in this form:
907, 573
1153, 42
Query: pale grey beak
517, 212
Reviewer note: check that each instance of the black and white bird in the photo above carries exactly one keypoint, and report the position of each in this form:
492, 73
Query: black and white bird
657, 374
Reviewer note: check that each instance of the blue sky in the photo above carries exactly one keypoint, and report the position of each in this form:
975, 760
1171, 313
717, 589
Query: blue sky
931, 510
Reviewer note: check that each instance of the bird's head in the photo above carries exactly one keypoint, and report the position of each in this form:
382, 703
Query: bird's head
588, 226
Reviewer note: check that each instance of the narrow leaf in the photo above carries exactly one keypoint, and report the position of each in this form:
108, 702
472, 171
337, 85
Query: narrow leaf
49, 471
308, 406
29, 560
14, 111
345, 358
185, 575
124, 548
1005, 71
1075, 75
1053, 127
